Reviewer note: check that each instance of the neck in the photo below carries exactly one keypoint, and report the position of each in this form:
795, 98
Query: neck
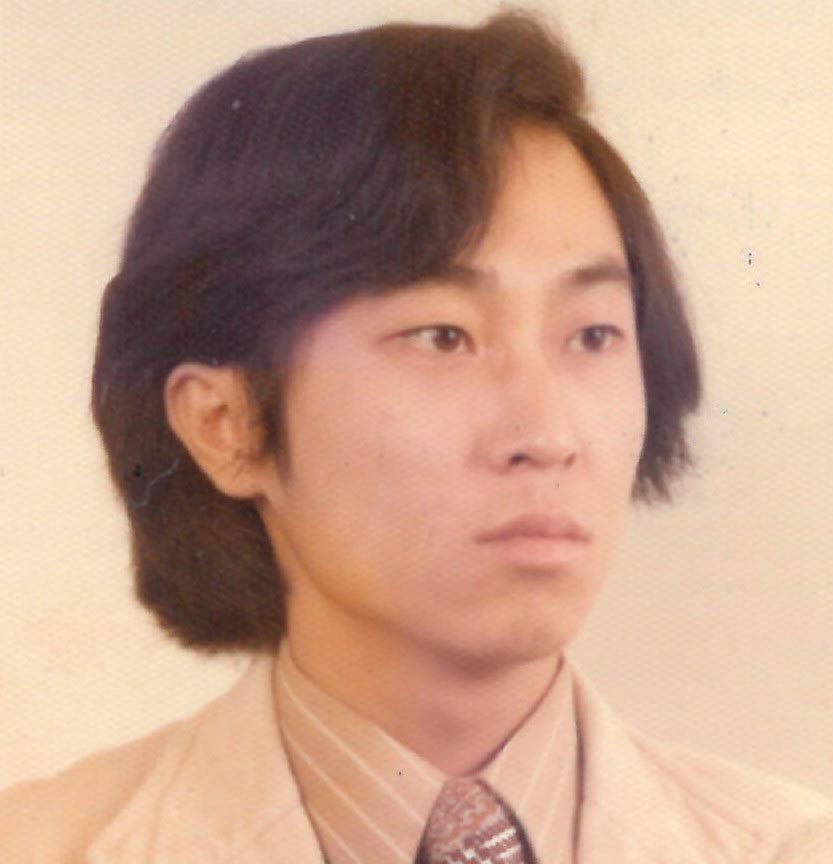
452, 711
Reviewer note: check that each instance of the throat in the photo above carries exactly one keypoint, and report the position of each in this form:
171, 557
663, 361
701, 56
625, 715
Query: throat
454, 715
463, 725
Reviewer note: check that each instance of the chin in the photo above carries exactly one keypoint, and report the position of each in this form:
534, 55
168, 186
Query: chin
547, 629
544, 640
492, 648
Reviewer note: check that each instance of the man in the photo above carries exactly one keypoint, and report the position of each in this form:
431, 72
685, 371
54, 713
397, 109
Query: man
394, 342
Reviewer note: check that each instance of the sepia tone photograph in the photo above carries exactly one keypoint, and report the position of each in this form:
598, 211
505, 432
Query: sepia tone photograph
417, 433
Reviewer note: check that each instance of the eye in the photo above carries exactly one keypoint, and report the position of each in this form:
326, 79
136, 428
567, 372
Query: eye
595, 339
445, 338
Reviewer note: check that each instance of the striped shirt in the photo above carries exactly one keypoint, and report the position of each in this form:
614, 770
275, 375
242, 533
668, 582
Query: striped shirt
369, 797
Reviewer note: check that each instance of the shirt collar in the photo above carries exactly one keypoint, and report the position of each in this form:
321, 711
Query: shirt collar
369, 797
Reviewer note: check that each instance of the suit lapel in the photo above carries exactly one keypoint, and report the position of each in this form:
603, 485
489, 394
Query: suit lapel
627, 814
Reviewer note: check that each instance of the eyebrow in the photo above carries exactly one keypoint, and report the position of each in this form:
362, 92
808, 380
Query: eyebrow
605, 270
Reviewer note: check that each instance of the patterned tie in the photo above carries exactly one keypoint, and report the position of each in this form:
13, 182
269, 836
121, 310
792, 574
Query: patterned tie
469, 825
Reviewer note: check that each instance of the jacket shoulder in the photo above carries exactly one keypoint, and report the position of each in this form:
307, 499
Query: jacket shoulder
722, 796
655, 801
52, 820
712, 779
812, 844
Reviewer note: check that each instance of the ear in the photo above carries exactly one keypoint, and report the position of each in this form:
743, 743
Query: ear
211, 411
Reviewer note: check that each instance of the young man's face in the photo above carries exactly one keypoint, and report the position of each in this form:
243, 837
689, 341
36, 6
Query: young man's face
422, 419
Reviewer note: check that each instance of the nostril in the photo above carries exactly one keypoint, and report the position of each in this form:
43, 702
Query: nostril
544, 454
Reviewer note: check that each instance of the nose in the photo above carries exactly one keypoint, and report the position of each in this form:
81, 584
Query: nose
532, 417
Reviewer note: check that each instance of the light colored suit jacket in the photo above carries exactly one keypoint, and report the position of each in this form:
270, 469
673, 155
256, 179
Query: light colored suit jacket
216, 789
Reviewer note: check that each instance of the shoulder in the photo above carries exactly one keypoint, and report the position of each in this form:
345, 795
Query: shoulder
745, 808
215, 777
646, 795
812, 844
53, 819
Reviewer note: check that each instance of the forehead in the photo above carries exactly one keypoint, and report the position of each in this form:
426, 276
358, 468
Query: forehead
551, 226
548, 204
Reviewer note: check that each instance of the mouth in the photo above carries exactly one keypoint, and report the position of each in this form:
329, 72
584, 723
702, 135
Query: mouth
537, 526
538, 540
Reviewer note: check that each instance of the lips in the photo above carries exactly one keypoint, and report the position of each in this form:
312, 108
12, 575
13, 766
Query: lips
538, 543
537, 526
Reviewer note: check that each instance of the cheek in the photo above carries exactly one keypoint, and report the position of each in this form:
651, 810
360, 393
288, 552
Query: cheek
392, 449
618, 421
631, 421
636, 418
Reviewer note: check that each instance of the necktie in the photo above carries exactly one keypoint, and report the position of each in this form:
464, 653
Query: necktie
470, 825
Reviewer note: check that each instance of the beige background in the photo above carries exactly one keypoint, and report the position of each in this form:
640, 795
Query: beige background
717, 627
